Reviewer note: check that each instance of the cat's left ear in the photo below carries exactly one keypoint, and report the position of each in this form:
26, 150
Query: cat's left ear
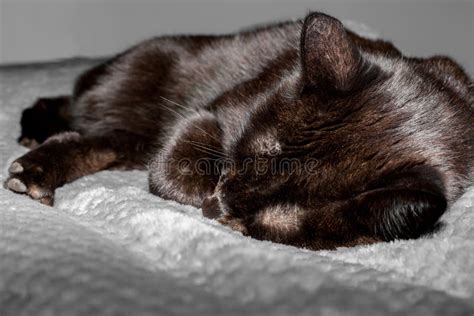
330, 60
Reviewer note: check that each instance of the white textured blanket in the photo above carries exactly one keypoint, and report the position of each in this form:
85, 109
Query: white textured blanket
109, 247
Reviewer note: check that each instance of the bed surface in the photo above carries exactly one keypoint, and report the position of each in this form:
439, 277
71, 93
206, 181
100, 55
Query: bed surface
109, 247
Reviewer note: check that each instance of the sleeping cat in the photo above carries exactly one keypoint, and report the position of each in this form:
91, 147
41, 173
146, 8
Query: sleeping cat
301, 133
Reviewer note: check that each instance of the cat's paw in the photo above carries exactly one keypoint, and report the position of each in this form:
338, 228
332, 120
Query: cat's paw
186, 169
233, 223
47, 116
28, 142
30, 178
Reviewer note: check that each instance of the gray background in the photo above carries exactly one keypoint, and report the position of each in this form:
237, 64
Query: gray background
34, 30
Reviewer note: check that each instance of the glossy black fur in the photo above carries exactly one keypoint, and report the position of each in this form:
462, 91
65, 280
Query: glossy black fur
48, 116
389, 138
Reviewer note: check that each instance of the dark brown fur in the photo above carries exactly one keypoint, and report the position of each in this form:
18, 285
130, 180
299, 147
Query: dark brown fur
301, 133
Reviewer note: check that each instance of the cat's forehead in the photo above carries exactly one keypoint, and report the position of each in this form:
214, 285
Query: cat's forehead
403, 90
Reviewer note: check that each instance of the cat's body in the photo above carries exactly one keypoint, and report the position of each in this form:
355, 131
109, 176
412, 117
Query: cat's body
300, 133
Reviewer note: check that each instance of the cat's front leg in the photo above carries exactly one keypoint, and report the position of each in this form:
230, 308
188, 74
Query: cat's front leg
187, 167
68, 156
57, 161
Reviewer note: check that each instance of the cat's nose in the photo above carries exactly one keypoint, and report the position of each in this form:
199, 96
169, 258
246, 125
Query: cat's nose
210, 207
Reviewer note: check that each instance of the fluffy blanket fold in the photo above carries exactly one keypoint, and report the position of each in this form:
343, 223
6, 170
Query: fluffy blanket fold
109, 247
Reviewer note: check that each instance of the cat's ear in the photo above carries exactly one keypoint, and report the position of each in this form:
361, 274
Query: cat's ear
330, 59
448, 72
398, 213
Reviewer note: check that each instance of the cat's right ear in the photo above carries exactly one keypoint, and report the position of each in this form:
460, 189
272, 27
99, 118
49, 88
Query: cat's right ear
330, 60
449, 73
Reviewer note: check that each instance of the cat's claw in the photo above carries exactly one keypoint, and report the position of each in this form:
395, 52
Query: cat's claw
22, 181
16, 167
16, 185
27, 142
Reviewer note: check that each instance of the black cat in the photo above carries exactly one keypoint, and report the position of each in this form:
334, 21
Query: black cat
301, 133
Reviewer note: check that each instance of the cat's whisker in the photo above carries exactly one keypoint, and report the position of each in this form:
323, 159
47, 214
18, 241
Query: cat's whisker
208, 146
213, 155
191, 123
203, 149
276, 76
208, 150
182, 115
175, 103
210, 153
172, 110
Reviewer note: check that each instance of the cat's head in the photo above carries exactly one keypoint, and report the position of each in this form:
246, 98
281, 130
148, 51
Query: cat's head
355, 144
